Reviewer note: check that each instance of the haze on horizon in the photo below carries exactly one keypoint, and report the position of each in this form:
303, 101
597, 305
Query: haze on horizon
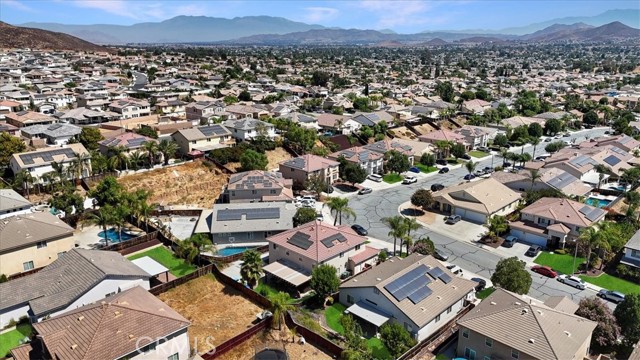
398, 15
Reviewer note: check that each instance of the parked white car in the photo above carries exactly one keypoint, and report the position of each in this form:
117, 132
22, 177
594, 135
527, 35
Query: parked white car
574, 281
409, 179
375, 177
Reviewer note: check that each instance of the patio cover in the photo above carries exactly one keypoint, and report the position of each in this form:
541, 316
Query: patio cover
150, 266
288, 272
368, 313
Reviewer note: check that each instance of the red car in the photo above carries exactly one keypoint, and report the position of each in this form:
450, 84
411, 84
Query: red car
544, 270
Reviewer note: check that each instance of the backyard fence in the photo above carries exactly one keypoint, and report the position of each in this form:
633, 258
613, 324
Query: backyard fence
252, 295
119, 247
219, 165
236, 340
235, 257
88, 181
157, 290
314, 338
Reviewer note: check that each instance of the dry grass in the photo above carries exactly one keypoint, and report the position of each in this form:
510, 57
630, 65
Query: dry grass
424, 128
277, 156
404, 133
247, 350
216, 312
187, 184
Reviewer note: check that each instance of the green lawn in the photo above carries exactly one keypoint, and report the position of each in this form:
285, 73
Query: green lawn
485, 293
392, 178
333, 314
12, 338
477, 153
426, 169
558, 262
380, 351
613, 283
176, 266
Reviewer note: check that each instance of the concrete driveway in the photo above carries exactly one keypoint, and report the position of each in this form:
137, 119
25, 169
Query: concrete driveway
461, 231
517, 250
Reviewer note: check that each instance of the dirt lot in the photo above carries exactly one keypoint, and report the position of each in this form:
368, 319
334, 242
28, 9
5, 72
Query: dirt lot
404, 133
188, 184
424, 128
296, 351
215, 311
277, 156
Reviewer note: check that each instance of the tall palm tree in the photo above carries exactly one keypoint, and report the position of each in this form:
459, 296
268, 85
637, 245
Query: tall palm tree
504, 154
340, 207
498, 224
135, 159
592, 238
151, 149
103, 218
120, 214
79, 164
535, 141
48, 179
168, 149
186, 250
470, 166
251, 269
202, 243
119, 158
23, 180
61, 172
534, 175
280, 305
523, 158
407, 240
443, 148
397, 229
602, 171
412, 224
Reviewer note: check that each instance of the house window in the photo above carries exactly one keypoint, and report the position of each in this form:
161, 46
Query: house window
358, 247
292, 169
376, 291
28, 265
515, 354
469, 354
371, 302
275, 245
286, 252
449, 309
635, 253
438, 318
341, 254
233, 193
272, 191
254, 192
41, 244
465, 333
350, 299
249, 234
488, 342
110, 294
175, 356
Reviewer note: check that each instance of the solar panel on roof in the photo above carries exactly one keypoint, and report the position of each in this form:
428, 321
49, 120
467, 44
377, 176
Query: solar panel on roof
420, 294
594, 214
228, 214
612, 160
585, 209
328, 241
300, 240
435, 272
400, 288
445, 278
262, 214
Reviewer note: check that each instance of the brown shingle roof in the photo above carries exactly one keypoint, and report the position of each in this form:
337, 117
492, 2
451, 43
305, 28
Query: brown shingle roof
562, 210
484, 196
27, 229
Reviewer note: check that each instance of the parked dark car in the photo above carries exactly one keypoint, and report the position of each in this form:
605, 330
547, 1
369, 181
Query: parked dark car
441, 162
469, 177
359, 230
509, 241
437, 187
482, 283
466, 157
414, 169
453, 219
506, 164
444, 170
365, 191
483, 148
329, 189
487, 169
533, 250
544, 270
440, 255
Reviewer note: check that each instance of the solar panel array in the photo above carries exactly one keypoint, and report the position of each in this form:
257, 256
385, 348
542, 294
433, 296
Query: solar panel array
411, 285
591, 213
250, 214
618, 151
136, 142
582, 160
213, 130
438, 273
47, 156
328, 242
612, 160
562, 180
300, 240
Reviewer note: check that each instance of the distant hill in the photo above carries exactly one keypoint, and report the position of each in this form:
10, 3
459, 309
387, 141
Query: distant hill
612, 31
22, 37
434, 42
180, 29
557, 28
480, 40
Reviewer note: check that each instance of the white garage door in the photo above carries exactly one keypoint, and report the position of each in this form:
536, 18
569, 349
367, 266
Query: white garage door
471, 216
528, 238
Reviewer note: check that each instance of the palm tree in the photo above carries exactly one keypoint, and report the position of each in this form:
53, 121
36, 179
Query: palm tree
251, 269
48, 179
498, 225
592, 238
119, 158
168, 149
398, 229
186, 250
61, 172
103, 218
340, 206
280, 305
523, 158
534, 175
23, 180
79, 165
504, 154
407, 240
535, 141
602, 171
151, 148
202, 243
120, 214
136, 158
443, 147
470, 166
412, 224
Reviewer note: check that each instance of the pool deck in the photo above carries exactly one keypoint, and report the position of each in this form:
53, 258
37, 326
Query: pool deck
180, 226
87, 237
233, 270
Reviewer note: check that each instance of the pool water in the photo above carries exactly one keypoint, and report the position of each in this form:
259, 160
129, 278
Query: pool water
599, 202
228, 251
112, 235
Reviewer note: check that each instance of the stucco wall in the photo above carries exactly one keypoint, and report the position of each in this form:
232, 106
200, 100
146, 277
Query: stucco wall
12, 262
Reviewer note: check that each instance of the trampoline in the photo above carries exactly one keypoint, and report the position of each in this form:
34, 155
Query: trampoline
271, 354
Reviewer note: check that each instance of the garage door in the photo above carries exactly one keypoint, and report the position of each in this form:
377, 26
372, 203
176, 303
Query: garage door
528, 238
471, 216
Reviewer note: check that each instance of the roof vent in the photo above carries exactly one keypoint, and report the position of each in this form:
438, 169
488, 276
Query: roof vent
493, 303
517, 303
524, 311
80, 318
439, 297
74, 346
131, 337
539, 312
567, 333
378, 279
532, 341
422, 309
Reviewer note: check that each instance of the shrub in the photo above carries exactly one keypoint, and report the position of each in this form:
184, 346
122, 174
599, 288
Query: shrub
628, 273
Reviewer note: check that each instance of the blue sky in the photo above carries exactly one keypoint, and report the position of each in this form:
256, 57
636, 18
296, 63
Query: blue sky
398, 15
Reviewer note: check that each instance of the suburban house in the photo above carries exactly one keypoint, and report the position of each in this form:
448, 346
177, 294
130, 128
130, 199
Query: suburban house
631, 255
303, 120
303, 167
78, 278
12, 203
203, 138
54, 134
417, 292
249, 128
258, 186
246, 222
624, 142
173, 107
550, 178
477, 201
7, 106
551, 222
133, 324
510, 326
338, 123
130, 108
25, 118
436, 136
39, 162
32, 240
371, 161
386, 145
515, 121
373, 118
476, 136
85, 116
475, 106
246, 111
203, 110
130, 141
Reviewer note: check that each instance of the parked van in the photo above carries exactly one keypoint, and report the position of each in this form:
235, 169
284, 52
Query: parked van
375, 177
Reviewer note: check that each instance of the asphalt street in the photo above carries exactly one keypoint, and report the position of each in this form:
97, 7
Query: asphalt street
140, 80
470, 256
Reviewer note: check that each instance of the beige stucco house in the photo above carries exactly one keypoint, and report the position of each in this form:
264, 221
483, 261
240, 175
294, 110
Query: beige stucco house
203, 138
303, 167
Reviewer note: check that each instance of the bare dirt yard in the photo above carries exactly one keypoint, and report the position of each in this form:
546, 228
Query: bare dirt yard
217, 313
189, 184
424, 128
403, 133
277, 156
276, 339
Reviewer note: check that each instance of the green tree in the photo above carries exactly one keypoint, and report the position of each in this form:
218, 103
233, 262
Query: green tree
511, 275
320, 78
280, 306
340, 207
89, 138
458, 150
397, 229
203, 243
354, 173
362, 104
147, 131
627, 314
23, 181
168, 149
151, 150
470, 166
422, 198
230, 100
607, 332
186, 250
592, 238
445, 91
324, 280
102, 218
553, 126
468, 95
304, 215
136, 158
317, 184
591, 118
356, 346
107, 192
498, 225
528, 103
244, 96
535, 130
397, 162
68, 200
424, 246
9, 145
118, 158
251, 268
500, 140
534, 175
520, 133
427, 159
396, 338
555, 146
300, 139
252, 160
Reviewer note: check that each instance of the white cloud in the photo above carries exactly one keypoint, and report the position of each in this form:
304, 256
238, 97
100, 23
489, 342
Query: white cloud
17, 5
319, 14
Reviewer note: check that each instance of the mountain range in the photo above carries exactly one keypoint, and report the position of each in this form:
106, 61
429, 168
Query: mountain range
204, 29
20, 37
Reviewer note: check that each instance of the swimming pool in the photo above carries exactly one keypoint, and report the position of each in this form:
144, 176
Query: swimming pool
112, 235
600, 203
228, 251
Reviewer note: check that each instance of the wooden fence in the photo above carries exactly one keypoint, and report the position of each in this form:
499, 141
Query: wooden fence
219, 165
157, 290
250, 294
24, 273
88, 181
314, 338
130, 243
236, 340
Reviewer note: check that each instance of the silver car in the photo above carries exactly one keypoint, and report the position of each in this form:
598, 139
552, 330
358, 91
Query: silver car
612, 296
576, 282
